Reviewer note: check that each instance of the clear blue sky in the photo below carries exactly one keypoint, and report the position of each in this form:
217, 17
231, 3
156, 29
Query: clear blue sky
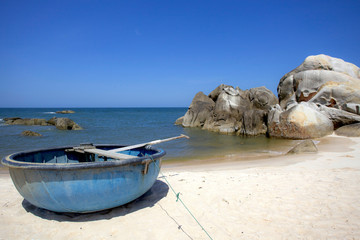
161, 53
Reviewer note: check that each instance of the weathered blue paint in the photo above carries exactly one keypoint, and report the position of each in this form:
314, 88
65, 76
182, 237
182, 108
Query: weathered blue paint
63, 181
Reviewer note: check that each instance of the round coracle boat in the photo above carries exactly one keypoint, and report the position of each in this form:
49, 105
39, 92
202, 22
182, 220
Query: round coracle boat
87, 178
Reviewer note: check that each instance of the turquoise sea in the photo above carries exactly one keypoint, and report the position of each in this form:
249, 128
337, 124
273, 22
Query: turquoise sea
128, 126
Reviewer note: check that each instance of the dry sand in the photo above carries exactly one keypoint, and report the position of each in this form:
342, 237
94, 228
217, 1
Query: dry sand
306, 196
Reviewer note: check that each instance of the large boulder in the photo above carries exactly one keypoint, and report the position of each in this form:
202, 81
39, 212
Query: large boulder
339, 117
64, 124
227, 114
302, 121
324, 80
231, 110
330, 83
200, 109
352, 130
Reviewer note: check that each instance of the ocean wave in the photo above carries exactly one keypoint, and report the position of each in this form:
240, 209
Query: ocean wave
49, 112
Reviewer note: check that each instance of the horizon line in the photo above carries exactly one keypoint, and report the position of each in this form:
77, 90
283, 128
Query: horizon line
68, 108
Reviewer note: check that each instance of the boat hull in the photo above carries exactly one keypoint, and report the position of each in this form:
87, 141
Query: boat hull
84, 187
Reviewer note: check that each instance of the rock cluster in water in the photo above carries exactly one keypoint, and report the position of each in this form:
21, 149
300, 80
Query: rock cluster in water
65, 112
59, 123
231, 110
316, 98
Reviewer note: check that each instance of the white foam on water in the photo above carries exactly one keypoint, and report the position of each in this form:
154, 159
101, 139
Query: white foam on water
49, 112
270, 152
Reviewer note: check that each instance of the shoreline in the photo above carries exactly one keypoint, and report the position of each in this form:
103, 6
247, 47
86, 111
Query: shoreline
311, 196
331, 143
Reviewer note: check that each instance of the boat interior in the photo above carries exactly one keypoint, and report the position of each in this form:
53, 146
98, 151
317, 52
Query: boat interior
70, 155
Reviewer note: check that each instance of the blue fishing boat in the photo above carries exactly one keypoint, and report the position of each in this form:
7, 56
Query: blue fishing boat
85, 178
67, 180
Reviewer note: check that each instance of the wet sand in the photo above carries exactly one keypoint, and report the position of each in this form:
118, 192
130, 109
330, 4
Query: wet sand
304, 196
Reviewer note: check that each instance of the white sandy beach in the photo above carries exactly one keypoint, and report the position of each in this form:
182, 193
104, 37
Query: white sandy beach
306, 196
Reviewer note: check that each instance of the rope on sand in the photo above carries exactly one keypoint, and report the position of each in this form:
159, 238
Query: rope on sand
177, 195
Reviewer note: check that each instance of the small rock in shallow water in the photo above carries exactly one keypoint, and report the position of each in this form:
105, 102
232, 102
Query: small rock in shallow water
307, 146
30, 133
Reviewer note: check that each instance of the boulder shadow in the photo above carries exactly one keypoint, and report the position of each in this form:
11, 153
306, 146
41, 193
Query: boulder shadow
158, 191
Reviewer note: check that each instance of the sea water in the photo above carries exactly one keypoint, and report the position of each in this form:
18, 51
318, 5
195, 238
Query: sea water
127, 126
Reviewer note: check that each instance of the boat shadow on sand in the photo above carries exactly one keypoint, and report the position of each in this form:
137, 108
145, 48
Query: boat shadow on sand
158, 191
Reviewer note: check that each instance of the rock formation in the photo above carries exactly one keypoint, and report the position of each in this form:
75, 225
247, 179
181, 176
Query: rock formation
26, 121
60, 123
327, 85
320, 95
230, 110
324, 80
64, 124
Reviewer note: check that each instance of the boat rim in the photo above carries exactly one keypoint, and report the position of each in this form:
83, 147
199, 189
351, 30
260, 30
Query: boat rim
10, 162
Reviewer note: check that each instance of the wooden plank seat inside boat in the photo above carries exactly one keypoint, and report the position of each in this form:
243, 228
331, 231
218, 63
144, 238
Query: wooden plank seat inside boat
96, 153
